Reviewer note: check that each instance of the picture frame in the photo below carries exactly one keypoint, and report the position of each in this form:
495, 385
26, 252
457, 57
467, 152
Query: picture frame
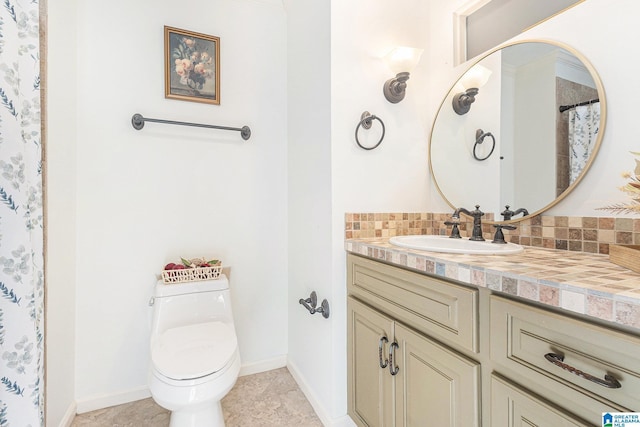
192, 66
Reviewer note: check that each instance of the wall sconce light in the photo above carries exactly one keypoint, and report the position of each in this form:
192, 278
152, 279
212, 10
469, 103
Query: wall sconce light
473, 79
401, 61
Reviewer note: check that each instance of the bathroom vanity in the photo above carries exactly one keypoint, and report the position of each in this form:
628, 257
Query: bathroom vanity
426, 349
543, 337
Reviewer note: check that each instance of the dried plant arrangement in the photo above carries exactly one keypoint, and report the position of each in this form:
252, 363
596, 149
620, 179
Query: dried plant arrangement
631, 188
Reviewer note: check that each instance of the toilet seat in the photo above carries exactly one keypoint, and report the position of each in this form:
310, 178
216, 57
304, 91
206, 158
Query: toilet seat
194, 351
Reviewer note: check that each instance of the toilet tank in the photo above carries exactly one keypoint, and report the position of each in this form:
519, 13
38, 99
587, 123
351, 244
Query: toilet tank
184, 304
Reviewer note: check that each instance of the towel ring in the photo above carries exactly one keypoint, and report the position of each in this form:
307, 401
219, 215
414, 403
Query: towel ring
480, 136
366, 121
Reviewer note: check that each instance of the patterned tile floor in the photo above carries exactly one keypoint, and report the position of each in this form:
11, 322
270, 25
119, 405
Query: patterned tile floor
267, 399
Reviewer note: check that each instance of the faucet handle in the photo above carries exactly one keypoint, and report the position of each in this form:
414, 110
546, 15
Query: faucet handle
477, 212
507, 213
455, 231
499, 236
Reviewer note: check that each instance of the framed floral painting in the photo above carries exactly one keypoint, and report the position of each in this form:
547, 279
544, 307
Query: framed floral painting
192, 66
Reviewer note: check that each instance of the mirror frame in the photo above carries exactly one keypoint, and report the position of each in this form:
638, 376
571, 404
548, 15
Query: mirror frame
596, 148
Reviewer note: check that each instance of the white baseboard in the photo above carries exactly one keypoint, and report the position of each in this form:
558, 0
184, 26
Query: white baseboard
107, 400
263, 365
68, 416
344, 421
326, 419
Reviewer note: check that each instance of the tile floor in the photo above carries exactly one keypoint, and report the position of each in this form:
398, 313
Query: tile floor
267, 399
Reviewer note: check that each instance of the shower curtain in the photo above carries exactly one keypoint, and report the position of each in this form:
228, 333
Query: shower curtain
21, 218
584, 124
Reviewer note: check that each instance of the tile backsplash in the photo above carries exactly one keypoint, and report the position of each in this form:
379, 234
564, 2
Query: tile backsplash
578, 234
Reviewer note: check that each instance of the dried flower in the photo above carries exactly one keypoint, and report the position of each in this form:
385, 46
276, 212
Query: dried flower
631, 188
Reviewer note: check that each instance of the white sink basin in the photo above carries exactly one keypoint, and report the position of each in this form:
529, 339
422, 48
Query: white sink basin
454, 246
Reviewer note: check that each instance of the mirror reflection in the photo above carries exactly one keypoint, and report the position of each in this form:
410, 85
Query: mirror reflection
520, 128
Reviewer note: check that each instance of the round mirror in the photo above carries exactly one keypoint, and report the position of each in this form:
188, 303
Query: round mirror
520, 128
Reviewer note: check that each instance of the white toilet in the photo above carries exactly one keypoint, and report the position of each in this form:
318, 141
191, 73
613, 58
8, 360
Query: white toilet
194, 351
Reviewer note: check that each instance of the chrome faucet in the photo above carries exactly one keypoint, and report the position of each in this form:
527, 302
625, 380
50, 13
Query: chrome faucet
476, 233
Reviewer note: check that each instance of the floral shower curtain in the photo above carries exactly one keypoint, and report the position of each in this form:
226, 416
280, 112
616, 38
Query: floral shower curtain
21, 218
584, 124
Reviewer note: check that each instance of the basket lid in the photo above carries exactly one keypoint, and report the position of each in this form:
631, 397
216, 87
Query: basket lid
166, 290
193, 351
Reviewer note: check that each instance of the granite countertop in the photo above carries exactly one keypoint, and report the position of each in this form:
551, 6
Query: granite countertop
584, 283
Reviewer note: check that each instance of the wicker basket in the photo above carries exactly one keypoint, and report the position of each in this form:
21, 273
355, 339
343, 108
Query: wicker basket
188, 274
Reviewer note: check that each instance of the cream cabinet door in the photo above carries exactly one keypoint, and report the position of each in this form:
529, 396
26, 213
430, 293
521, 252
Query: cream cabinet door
370, 387
514, 407
435, 386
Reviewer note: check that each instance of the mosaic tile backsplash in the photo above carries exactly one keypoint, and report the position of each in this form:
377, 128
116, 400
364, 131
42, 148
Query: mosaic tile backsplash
578, 234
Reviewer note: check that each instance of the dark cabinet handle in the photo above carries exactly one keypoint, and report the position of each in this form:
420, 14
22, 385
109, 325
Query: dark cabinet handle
558, 360
393, 370
381, 343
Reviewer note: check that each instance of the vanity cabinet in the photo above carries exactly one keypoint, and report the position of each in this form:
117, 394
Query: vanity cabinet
426, 351
397, 374
399, 377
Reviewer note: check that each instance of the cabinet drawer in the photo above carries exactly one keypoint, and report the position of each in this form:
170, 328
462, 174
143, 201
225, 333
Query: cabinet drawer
522, 335
436, 307
512, 406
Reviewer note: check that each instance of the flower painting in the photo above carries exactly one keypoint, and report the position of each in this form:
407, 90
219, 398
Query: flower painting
192, 66
632, 189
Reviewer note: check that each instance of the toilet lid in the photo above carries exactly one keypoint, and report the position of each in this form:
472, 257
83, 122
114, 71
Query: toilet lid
193, 351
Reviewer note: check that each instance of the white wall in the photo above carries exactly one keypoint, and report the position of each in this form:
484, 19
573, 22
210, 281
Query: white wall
148, 197
507, 143
394, 176
535, 131
309, 168
452, 153
323, 153
60, 192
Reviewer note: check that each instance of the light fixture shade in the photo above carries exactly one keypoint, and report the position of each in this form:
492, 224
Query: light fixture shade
476, 77
403, 59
